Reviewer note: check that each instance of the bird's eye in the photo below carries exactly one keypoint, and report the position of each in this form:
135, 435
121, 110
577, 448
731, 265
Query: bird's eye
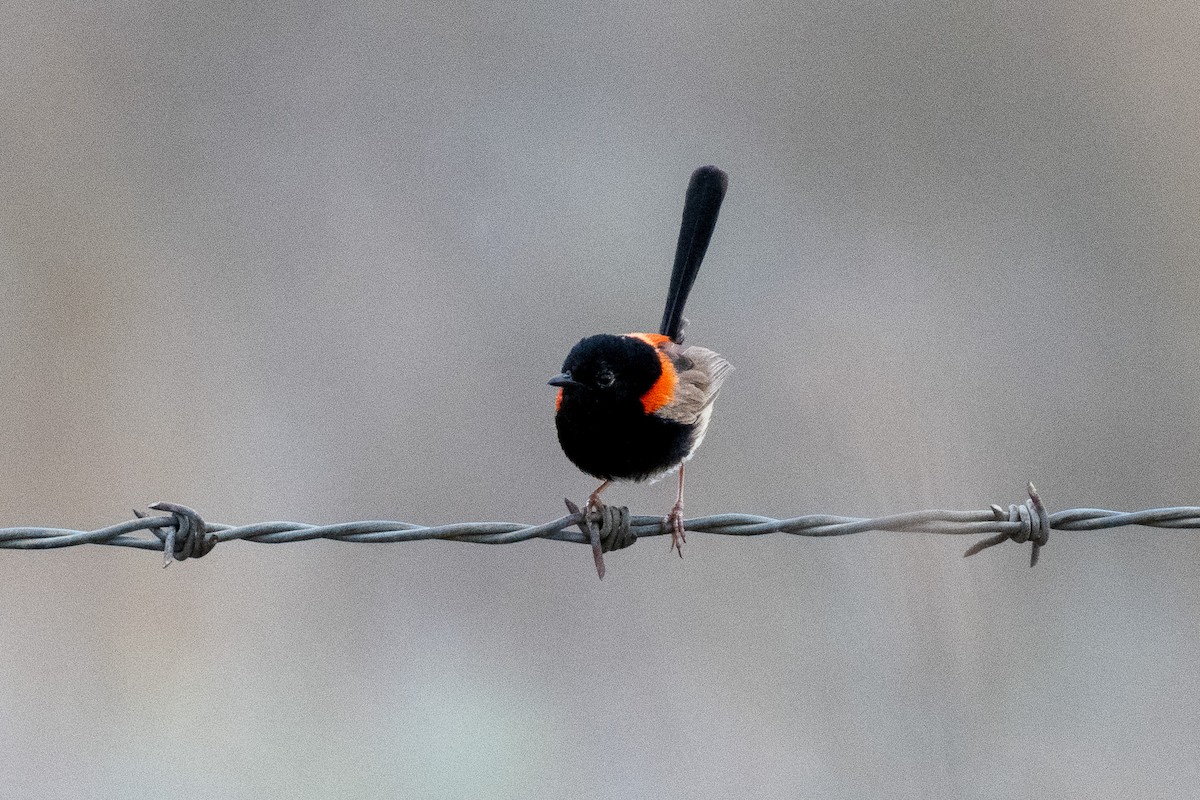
605, 379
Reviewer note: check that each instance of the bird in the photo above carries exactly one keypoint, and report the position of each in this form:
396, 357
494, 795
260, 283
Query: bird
635, 406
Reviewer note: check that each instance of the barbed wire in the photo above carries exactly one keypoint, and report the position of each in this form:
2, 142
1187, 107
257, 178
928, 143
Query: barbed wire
180, 533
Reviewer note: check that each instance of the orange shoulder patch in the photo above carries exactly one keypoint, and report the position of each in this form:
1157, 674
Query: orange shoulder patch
655, 340
663, 390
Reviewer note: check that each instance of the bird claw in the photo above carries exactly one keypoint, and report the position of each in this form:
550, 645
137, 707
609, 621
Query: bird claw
594, 505
674, 521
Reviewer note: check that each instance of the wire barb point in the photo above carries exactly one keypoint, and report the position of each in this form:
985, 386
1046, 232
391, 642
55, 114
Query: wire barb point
1027, 522
592, 533
610, 530
187, 538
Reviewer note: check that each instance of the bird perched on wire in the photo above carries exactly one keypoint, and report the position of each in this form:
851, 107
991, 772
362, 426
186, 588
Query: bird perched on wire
636, 406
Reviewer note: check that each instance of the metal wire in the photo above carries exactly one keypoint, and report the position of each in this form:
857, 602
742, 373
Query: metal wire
182, 534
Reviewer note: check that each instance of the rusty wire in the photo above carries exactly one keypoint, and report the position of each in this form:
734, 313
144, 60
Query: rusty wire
181, 533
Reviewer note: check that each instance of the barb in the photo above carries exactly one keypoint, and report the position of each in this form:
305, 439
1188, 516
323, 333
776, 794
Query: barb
182, 534
1034, 526
185, 538
613, 533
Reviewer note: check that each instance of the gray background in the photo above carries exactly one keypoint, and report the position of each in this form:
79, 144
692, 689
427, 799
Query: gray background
289, 261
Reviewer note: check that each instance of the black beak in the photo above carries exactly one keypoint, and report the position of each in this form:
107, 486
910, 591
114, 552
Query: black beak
564, 380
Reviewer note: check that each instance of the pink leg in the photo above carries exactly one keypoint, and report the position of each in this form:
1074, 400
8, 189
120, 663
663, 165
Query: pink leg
675, 519
593, 502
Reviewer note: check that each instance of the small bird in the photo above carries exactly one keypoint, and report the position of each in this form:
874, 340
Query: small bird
634, 407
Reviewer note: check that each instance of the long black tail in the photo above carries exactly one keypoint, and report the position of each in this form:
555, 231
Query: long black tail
701, 205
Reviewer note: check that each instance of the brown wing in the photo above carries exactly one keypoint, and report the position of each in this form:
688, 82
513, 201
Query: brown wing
700, 374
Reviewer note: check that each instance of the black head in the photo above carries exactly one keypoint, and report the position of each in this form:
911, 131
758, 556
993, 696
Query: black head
608, 369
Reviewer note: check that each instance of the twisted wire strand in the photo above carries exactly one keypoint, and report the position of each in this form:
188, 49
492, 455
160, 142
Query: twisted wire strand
181, 533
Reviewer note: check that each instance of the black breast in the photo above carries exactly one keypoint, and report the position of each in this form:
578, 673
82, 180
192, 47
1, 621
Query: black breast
621, 441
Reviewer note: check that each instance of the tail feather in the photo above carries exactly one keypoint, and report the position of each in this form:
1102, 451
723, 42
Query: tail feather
705, 191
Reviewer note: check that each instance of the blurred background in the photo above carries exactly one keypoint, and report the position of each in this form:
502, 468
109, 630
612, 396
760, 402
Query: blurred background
316, 262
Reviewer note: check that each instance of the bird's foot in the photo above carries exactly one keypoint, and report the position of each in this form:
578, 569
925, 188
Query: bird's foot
594, 504
675, 521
